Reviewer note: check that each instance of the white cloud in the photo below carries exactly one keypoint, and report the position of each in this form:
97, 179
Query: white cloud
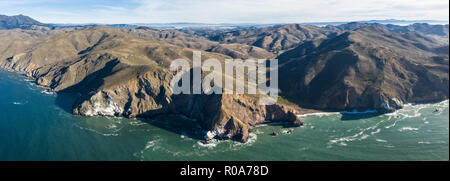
270, 11
246, 11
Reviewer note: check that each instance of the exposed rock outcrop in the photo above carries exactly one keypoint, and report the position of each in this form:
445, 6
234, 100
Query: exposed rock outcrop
117, 74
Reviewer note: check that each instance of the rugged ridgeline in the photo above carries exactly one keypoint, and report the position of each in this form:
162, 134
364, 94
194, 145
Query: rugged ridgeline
117, 74
124, 71
15, 34
20, 21
369, 68
274, 39
278, 39
178, 38
424, 28
23, 27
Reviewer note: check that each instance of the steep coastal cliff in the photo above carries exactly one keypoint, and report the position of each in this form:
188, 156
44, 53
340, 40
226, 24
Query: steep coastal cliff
125, 72
117, 74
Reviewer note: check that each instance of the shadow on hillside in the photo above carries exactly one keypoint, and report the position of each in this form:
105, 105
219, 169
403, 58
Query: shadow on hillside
67, 97
171, 122
168, 117
65, 101
344, 116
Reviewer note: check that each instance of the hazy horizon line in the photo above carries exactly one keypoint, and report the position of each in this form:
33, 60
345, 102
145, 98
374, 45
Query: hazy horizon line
243, 23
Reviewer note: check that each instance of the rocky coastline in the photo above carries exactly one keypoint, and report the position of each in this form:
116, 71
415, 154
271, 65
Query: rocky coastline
115, 72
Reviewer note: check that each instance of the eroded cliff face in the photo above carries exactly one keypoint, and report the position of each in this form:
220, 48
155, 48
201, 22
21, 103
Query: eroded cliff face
118, 75
224, 116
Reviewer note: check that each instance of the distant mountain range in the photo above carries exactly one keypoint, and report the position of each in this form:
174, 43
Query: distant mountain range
123, 70
19, 21
25, 22
440, 30
284, 37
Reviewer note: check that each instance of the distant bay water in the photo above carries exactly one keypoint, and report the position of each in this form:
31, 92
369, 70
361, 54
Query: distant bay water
35, 125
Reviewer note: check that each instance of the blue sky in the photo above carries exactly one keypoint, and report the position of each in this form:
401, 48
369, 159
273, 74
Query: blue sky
224, 11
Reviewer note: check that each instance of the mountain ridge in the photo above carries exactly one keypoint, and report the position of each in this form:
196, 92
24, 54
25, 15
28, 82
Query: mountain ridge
19, 21
116, 74
124, 71
368, 68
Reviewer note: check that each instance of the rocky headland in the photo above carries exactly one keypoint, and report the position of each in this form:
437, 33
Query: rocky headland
125, 71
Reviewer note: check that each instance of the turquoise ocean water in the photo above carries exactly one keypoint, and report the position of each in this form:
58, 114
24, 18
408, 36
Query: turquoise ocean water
38, 126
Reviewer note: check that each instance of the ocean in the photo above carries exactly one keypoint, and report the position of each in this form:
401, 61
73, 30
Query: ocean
37, 125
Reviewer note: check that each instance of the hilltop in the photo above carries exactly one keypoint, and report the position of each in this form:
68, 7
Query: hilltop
368, 68
273, 39
125, 71
117, 74
19, 21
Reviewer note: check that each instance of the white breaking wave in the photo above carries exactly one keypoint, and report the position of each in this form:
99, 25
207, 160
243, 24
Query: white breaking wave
319, 114
412, 110
362, 135
375, 132
252, 137
152, 144
48, 92
136, 123
210, 144
424, 142
287, 131
408, 129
